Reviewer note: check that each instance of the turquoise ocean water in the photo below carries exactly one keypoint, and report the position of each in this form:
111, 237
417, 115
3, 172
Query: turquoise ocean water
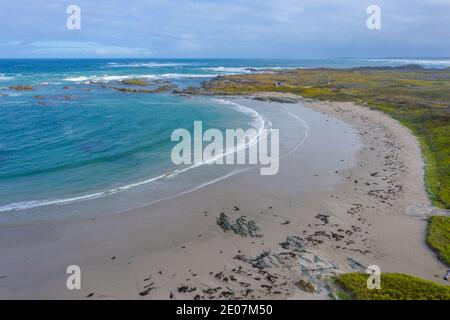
73, 140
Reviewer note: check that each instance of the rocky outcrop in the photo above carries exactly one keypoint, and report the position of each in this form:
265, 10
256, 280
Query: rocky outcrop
241, 226
135, 82
21, 88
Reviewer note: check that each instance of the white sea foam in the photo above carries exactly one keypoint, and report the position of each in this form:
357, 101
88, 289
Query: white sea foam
77, 79
4, 78
230, 69
258, 124
424, 62
258, 120
119, 78
244, 70
186, 75
39, 203
145, 65
107, 78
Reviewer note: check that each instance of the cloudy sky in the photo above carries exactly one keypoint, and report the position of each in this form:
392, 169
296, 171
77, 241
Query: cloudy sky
225, 29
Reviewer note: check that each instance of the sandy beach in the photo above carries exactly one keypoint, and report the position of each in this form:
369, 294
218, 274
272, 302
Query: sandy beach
325, 212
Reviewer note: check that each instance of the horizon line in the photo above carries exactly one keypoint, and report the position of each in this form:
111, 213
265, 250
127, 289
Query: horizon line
221, 58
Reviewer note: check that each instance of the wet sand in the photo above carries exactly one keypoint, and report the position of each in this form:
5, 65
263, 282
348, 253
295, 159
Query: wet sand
325, 212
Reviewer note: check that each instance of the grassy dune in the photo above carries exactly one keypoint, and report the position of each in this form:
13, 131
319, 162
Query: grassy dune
418, 98
439, 236
394, 286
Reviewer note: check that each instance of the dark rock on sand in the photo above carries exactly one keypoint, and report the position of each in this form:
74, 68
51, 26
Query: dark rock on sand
306, 286
147, 290
241, 226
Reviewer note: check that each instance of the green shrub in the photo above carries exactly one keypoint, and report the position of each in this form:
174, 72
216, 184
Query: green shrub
394, 286
439, 236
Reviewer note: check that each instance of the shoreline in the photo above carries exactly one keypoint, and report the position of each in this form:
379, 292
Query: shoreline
66, 207
359, 216
40, 204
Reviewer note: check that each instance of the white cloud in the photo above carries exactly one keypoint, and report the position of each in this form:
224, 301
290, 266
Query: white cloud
208, 28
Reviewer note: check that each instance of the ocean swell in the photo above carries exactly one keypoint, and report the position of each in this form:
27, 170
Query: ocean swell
164, 76
258, 123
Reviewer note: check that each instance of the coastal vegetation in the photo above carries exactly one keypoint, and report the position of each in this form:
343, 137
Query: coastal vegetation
394, 286
439, 236
135, 82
